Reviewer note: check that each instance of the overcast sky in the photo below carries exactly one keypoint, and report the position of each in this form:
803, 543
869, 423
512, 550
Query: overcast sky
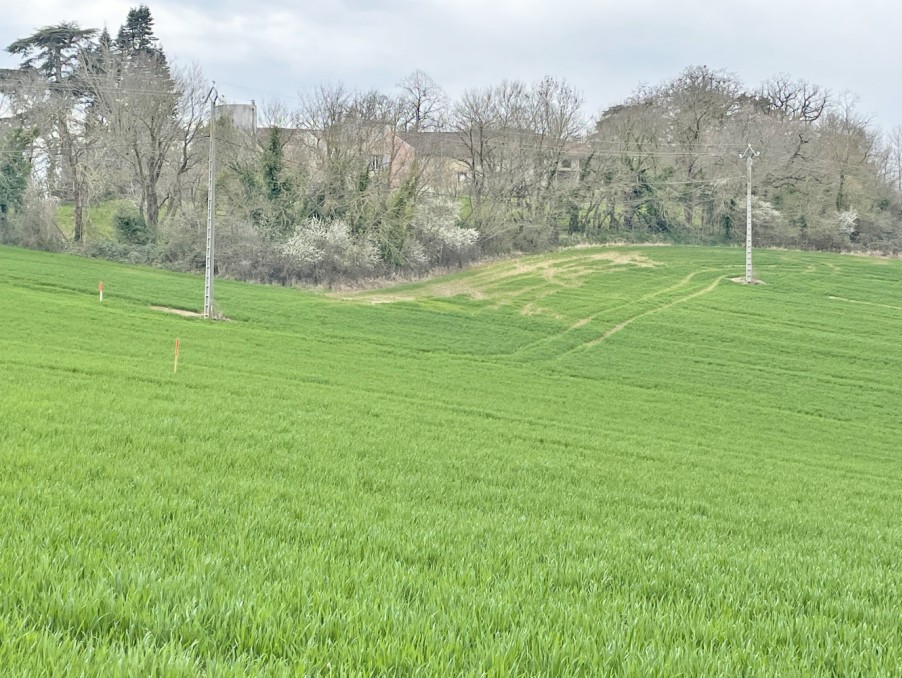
270, 48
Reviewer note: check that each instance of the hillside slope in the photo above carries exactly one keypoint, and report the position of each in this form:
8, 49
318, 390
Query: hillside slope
599, 460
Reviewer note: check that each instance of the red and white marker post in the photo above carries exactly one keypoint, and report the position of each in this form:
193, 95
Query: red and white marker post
101, 291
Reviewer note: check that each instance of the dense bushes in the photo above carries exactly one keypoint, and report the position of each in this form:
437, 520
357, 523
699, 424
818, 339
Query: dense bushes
132, 228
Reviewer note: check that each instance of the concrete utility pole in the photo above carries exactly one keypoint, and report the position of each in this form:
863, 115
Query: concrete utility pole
211, 207
749, 154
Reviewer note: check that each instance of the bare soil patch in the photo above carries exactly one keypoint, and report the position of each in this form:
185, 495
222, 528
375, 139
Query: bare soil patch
186, 313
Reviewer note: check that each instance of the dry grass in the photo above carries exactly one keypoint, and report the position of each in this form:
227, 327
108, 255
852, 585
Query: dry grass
565, 269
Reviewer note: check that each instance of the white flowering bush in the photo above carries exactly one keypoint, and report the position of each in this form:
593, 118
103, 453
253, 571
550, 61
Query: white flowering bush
768, 225
414, 254
324, 248
437, 237
832, 231
848, 220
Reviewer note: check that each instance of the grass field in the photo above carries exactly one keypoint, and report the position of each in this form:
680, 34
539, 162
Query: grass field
609, 460
98, 219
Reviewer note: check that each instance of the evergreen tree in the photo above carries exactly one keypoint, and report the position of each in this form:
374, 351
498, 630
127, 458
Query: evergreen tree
15, 168
56, 52
105, 41
99, 59
53, 50
137, 100
103, 54
272, 165
136, 37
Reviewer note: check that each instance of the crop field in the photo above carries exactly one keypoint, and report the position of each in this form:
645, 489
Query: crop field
599, 461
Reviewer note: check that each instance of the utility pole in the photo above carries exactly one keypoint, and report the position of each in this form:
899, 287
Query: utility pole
211, 207
749, 154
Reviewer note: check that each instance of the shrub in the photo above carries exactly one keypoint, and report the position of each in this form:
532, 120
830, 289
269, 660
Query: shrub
34, 224
131, 227
769, 227
323, 249
148, 254
437, 237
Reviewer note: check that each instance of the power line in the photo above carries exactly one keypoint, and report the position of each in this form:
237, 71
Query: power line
303, 165
259, 91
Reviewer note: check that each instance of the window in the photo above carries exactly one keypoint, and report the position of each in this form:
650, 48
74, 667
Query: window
375, 163
567, 164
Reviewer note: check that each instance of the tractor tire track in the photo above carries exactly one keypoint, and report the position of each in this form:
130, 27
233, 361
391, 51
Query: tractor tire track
620, 326
582, 322
865, 303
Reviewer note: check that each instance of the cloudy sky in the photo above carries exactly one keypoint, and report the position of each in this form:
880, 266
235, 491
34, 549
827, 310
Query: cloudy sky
268, 49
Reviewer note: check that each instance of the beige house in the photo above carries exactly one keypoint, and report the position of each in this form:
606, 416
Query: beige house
446, 161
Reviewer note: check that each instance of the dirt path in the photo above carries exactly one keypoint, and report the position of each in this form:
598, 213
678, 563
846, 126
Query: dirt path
185, 313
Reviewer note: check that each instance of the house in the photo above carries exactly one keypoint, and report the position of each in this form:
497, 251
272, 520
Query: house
446, 161
354, 147
442, 159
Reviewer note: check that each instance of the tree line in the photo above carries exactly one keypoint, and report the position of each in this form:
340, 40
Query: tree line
349, 184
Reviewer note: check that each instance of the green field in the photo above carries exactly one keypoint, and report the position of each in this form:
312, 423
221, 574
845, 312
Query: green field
600, 461
98, 219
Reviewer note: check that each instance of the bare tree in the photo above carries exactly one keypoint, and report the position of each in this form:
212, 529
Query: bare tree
360, 170
556, 123
894, 153
513, 143
477, 123
424, 103
190, 117
151, 118
625, 165
795, 99
696, 104
848, 143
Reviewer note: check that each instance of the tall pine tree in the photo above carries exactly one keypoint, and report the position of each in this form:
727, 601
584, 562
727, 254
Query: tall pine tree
141, 109
56, 53
136, 37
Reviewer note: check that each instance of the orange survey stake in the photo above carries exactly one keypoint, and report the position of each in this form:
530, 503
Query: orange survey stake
175, 365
